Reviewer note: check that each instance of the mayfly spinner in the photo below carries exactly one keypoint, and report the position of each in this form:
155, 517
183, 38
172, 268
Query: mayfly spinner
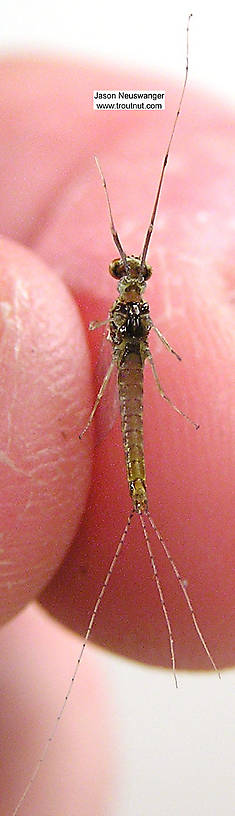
129, 323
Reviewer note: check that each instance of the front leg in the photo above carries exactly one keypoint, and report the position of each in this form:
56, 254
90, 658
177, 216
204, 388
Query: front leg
95, 324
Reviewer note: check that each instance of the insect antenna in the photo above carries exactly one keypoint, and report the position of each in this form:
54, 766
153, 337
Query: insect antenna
112, 226
182, 586
165, 160
78, 661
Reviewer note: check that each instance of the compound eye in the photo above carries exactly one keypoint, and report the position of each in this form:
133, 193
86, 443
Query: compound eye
116, 268
147, 272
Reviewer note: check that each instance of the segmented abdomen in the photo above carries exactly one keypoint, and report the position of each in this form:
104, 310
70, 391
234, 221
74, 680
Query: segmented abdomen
130, 384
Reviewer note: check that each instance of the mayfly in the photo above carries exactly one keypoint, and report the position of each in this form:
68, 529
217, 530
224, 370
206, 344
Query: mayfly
129, 323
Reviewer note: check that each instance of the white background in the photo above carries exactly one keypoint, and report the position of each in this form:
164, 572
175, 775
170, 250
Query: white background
177, 747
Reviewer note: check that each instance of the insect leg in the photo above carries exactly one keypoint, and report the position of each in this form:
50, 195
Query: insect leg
96, 324
165, 342
99, 397
162, 393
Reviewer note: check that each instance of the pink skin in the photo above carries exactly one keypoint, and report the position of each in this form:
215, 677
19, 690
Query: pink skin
52, 201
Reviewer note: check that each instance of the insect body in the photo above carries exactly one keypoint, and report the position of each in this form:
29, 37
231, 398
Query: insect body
129, 323
129, 326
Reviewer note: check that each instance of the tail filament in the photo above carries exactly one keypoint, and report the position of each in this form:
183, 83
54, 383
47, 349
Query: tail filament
184, 590
87, 635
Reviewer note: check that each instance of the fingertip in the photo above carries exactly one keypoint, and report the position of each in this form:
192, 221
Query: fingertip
45, 386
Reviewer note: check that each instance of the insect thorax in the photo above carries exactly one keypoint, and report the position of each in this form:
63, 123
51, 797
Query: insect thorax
129, 321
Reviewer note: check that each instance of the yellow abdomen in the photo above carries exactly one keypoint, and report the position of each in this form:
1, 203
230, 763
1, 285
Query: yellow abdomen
130, 384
